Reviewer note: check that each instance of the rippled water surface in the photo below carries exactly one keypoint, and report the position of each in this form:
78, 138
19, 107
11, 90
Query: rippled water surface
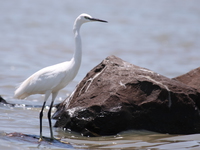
161, 35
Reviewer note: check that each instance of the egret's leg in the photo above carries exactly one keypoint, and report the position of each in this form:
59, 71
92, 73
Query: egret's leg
41, 115
47, 94
49, 113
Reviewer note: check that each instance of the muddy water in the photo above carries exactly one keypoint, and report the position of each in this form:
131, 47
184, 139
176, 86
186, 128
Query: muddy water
161, 35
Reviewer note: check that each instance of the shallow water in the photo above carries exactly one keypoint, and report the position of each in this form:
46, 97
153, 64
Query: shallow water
161, 35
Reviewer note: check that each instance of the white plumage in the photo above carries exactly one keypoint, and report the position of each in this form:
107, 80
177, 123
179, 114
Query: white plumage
52, 79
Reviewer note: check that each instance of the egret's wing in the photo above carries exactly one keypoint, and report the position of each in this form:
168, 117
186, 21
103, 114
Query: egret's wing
41, 81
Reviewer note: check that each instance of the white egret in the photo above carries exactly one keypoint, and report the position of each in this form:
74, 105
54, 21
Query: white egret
52, 79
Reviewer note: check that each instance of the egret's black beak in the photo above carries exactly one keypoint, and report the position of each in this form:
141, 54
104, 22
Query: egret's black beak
94, 19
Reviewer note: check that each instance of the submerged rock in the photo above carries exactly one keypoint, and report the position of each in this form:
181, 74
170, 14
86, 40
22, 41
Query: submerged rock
47, 143
116, 96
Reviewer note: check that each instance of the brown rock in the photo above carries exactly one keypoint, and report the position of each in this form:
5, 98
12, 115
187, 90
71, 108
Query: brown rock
191, 78
116, 96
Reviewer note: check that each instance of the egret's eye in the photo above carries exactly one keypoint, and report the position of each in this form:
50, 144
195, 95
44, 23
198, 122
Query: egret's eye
87, 17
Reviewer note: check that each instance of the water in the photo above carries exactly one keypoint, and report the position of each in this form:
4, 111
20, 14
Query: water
161, 35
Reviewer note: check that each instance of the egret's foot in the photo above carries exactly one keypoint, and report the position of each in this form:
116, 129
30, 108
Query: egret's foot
64, 142
59, 140
40, 139
56, 139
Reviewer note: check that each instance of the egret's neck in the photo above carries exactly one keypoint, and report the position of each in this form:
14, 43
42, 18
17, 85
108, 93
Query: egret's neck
78, 46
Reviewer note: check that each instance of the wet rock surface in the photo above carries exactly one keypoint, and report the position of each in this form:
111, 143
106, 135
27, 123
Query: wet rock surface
116, 96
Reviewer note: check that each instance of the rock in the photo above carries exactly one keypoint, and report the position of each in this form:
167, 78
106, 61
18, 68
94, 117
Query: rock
116, 96
191, 78
3, 101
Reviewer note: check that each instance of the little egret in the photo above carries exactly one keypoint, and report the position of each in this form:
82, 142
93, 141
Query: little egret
52, 79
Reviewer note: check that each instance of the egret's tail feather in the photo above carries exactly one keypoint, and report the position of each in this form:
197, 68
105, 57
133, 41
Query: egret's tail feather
20, 95
23, 96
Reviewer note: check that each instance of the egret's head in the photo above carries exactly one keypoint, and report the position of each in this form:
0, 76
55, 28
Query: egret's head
87, 18
83, 18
